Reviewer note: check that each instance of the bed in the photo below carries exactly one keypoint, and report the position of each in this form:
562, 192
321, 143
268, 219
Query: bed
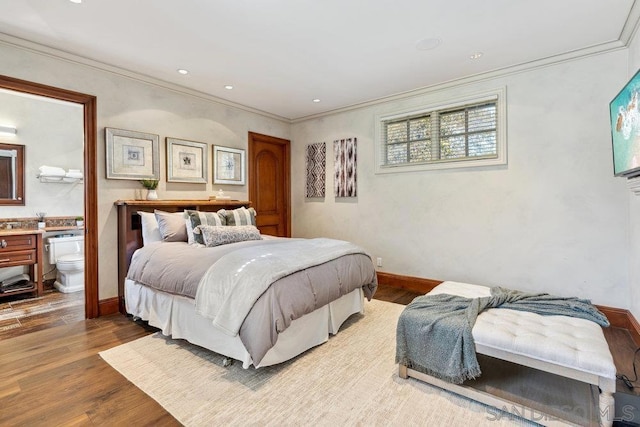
553, 370
308, 300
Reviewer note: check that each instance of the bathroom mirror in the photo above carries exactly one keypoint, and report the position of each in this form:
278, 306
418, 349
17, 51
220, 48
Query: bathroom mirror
11, 174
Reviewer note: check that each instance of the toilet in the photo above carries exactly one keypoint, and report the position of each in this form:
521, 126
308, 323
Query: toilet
67, 254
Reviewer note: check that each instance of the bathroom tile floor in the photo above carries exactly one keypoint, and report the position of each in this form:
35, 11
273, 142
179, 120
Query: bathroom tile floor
23, 314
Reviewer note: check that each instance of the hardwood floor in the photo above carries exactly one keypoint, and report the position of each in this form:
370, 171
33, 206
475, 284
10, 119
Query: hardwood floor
390, 294
21, 314
56, 377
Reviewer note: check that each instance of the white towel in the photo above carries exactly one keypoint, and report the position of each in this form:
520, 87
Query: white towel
74, 173
51, 171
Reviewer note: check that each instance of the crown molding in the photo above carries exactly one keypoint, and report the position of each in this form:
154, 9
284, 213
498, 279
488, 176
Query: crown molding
631, 24
121, 72
629, 29
489, 75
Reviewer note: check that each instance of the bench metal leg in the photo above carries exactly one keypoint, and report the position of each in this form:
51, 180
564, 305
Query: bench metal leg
402, 371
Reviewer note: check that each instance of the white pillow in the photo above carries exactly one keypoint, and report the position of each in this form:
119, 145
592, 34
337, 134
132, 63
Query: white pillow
150, 229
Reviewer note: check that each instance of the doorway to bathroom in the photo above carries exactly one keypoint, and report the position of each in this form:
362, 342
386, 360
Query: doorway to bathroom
67, 144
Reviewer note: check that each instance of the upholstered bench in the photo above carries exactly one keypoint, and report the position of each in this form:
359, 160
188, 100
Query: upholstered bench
564, 346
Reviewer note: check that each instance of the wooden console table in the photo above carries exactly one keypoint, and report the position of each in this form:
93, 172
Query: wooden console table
23, 247
130, 227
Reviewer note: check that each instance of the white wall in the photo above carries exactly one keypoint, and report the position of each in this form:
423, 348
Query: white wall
634, 201
53, 134
554, 219
130, 104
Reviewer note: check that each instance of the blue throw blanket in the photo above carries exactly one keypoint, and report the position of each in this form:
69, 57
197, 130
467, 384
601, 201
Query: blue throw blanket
434, 336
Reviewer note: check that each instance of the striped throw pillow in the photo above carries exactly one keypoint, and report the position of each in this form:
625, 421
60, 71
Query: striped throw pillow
195, 218
241, 216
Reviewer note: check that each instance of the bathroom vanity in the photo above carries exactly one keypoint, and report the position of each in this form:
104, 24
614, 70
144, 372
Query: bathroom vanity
23, 247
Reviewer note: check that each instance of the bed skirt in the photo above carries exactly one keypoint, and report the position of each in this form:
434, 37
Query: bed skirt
175, 316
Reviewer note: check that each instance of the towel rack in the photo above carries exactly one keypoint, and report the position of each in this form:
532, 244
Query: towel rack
59, 179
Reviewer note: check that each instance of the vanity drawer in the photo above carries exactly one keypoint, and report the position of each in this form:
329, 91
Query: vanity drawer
19, 242
10, 259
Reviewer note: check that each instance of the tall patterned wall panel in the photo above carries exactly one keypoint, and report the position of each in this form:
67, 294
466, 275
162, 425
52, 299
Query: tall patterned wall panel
316, 169
345, 161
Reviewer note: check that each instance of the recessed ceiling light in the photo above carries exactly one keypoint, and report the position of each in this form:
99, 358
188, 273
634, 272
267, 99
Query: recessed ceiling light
183, 71
76, 1
228, 87
428, 43
316, 100
476, 55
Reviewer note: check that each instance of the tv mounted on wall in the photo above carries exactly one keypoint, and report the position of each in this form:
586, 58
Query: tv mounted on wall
624, 112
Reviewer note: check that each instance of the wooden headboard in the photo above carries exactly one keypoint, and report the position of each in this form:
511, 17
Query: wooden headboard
130, 226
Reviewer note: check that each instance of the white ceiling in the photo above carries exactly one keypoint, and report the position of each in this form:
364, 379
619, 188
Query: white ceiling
281, 54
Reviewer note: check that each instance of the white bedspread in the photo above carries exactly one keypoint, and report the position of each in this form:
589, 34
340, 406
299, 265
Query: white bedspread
232, 285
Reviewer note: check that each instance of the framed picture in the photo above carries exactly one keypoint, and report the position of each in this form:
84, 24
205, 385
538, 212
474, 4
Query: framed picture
186, 161
132, 155
228, 165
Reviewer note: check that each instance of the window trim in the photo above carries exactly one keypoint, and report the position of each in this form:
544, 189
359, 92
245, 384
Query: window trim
445, 104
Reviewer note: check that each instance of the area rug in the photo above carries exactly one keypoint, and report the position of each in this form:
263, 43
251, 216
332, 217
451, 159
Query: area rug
350, 380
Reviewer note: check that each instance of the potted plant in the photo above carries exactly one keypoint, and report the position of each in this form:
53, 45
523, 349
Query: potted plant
80, 221
41, 222
150, 185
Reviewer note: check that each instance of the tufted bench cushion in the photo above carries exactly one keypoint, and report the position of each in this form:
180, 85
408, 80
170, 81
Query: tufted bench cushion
565, 346
560, 340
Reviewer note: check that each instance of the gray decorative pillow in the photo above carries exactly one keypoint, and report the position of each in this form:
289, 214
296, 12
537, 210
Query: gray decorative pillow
217, 235
171, 225
195, 218
241, 216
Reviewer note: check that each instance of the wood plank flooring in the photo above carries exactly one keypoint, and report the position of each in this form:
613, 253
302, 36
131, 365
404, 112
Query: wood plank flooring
56, 377
24, 313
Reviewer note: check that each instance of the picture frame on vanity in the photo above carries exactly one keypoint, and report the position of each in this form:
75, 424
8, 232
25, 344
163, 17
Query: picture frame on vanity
187, 161
132, 155
228, 165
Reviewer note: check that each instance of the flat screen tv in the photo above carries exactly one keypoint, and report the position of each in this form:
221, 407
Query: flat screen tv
625, 129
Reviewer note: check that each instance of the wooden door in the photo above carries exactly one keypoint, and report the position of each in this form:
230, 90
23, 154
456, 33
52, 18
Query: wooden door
269, 186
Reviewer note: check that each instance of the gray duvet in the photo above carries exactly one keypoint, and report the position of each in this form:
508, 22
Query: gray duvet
176, 267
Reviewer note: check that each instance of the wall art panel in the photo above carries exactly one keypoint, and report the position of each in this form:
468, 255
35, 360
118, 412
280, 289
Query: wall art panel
345, 162
316, 169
